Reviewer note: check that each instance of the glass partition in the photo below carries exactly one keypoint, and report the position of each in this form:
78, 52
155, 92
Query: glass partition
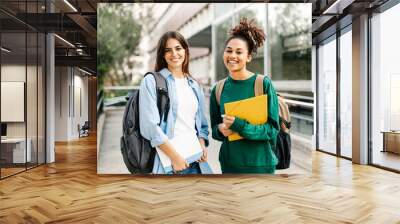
14, 154
346, 93
327, 95
31, 97
41, 87
22, 88
385, 89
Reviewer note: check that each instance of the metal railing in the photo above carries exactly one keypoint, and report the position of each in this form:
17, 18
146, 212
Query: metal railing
301, 111
100, 102
301, 107
300, 103
119, 92
112, 88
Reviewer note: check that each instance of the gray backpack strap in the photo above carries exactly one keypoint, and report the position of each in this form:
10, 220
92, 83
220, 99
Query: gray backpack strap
259, 85
162, 94
218, 90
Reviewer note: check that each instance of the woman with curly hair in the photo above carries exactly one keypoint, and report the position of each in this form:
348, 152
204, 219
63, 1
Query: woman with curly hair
254, 152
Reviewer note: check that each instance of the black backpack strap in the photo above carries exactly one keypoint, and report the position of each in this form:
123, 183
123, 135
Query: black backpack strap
162, 94
287, 124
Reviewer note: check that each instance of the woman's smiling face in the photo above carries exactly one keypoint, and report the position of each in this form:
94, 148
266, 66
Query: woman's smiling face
236, 55
174, 53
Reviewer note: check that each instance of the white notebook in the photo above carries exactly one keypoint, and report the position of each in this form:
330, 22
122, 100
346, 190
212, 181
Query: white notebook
187, 145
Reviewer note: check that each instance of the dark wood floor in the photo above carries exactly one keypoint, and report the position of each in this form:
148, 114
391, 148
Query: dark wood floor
70, 191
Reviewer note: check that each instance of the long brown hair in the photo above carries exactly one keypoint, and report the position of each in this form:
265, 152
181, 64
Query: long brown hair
160, 60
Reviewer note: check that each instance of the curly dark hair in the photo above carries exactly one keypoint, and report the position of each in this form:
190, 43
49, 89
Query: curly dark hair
249, 32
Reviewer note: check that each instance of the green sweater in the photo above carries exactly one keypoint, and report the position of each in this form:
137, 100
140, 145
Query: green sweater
253, 153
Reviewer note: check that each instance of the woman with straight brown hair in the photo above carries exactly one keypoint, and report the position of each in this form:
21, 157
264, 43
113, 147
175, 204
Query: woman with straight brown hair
186, 112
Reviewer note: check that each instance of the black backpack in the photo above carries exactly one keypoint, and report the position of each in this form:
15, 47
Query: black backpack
283, 140
136, 151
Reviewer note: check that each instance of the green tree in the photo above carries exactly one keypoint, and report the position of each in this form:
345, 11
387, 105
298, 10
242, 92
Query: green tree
118, 37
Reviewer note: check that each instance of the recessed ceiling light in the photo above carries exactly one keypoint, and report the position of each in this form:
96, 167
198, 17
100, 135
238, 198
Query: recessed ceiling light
64, 40
5, 49
337, 7
86, 72
70, 5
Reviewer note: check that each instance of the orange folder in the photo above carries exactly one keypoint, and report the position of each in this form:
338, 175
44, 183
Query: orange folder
254, 110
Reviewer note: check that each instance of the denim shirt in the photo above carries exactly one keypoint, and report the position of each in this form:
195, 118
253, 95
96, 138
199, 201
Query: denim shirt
149, 116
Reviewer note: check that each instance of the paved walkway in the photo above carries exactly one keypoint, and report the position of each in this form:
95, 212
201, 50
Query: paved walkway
110, 158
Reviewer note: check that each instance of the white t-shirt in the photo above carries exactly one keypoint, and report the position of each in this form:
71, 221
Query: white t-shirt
187, 108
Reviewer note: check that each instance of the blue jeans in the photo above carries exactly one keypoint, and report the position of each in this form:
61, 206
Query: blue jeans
193, 168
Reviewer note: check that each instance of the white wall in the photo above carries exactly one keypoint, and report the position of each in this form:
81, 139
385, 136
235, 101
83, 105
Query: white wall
62, 81
80, 96
71, 94
12, 100
14, 73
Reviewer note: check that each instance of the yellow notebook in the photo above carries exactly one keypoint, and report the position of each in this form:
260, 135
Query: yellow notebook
254, 110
